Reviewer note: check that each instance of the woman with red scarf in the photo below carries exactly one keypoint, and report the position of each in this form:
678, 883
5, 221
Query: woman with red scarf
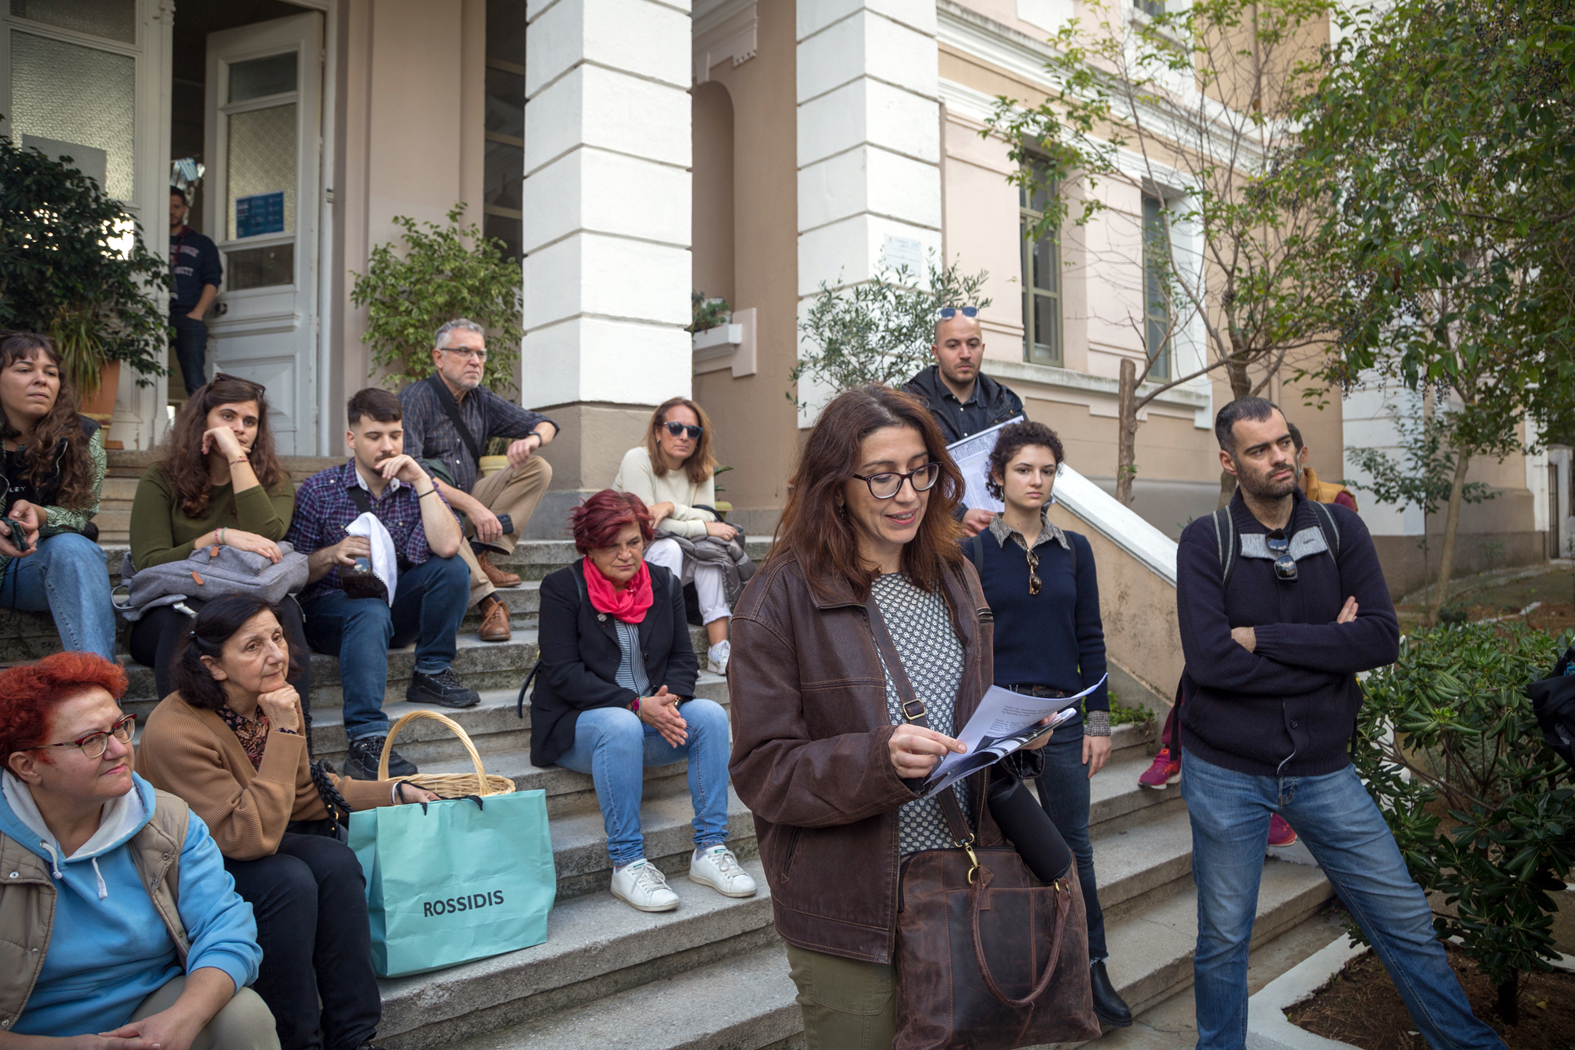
615, 694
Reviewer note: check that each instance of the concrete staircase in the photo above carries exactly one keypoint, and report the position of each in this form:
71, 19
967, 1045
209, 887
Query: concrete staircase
712, 974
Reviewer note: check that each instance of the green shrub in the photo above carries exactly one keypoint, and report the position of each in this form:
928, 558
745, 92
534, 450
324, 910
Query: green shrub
1481, 808
1121, 715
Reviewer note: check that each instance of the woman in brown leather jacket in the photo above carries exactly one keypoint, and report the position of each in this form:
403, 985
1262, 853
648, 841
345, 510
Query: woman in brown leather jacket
821, 750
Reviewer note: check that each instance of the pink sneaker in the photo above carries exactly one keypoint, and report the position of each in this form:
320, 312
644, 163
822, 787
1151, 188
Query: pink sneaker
1165, 771
1281, 833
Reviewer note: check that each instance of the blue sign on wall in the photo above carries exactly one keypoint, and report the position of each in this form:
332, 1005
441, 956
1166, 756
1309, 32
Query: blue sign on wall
259, 214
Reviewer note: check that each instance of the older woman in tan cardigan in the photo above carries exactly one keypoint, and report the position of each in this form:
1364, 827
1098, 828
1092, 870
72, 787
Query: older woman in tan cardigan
230, 740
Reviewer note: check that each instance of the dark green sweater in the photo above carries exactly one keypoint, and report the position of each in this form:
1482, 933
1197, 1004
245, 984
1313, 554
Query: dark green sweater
162, 532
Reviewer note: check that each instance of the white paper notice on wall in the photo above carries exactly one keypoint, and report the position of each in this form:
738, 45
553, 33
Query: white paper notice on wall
900, 252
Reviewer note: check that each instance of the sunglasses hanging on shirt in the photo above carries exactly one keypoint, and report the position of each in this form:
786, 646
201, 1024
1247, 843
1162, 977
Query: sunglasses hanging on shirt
1279, 545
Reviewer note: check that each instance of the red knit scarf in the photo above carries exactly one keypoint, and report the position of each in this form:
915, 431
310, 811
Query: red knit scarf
629, 604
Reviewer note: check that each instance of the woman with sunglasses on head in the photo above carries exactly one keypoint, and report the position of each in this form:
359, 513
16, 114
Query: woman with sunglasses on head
118, 925
218, 481
674, 474
616, 694
230, 742
51, 470
1050, 641
866, 587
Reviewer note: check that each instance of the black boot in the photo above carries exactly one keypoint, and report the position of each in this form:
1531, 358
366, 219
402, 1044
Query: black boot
1108, 1004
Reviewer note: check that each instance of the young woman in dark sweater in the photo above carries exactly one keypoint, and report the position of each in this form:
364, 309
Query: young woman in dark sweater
1040, 582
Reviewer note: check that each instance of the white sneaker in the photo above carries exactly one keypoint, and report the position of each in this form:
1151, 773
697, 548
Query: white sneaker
716, 657
642, 885
716, 867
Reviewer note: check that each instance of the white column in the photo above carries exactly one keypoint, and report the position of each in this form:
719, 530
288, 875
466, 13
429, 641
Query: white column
606, 201
869, 145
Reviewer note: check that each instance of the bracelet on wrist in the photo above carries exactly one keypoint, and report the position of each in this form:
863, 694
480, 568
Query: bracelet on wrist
424, 495
237, 462
635, 707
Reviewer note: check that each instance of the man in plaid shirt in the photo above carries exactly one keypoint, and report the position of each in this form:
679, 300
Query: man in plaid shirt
459, 357
429, 598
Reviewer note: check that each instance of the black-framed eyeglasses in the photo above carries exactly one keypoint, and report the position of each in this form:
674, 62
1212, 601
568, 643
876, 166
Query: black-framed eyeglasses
887, 484
948, 312
1033, 573
95, 744
677, 429
1279, 545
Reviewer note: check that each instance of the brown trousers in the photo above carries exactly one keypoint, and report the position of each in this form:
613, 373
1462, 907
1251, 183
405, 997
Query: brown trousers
514, 492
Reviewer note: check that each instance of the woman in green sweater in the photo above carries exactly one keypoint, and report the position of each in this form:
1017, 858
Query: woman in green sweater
218, 482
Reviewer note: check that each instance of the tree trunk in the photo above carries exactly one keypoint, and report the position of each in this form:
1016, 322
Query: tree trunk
1446, 554
1126, 430
1240, 386
1509, 999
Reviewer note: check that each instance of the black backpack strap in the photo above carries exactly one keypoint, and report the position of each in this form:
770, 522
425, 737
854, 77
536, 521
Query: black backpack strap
451, 409
1328, 526
975, 545
1225, 543
519, 702
359, 497
1071, 547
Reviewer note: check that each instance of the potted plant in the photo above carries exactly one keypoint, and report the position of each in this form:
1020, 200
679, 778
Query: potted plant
73, 265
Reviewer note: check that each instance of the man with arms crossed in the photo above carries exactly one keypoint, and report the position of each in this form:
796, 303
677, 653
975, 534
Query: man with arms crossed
429, 594
963, 399
1272, 700
454, 391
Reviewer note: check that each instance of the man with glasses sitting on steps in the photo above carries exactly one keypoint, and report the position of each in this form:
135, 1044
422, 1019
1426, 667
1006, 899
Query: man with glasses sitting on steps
1280, 603
450, 417
963, 399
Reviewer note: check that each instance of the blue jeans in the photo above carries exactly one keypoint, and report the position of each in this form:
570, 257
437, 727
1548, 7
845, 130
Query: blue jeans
429, 603
1064, 793
1347, 835
65, 577
191, 349
613, 746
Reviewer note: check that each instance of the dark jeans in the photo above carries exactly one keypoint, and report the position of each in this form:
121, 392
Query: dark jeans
191, 349
153, 639
429, 603
1064, 793
309, 899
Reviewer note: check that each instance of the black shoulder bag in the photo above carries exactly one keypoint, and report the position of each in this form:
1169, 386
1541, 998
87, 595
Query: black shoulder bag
451, 409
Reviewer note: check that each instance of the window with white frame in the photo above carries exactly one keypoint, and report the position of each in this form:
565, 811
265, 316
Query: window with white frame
1041, 275
1156, 286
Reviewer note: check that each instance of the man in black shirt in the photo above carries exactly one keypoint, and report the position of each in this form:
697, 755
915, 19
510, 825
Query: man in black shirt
194, 260
963, 399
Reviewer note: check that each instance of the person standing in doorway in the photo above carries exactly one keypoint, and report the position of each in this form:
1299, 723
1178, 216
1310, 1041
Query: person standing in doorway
450, 417
194, 261
1272, 656
962, 399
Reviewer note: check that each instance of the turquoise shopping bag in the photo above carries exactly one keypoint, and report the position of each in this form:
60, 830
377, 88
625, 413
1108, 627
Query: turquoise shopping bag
452, 881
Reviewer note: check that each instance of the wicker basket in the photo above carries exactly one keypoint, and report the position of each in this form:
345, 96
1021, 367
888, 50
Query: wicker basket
449, 785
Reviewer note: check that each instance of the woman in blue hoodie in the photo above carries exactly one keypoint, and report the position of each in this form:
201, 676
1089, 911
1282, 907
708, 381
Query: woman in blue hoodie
117, 919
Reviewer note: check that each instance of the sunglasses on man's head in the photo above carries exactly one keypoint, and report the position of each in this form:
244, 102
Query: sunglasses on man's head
948, 312
676, 429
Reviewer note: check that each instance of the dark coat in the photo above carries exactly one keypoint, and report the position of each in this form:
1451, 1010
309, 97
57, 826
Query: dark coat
992, 403
580, 656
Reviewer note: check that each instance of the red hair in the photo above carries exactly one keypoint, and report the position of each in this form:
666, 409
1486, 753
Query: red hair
598, 521
27, 692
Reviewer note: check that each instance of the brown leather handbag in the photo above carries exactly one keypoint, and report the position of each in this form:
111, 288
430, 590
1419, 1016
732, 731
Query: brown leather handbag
988, 957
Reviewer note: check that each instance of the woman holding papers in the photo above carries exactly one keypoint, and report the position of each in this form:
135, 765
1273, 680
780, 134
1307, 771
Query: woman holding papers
864, 612
218, 482
1040, 581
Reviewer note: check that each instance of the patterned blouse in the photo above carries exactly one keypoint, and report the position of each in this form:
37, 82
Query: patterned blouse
932, 655
252, 733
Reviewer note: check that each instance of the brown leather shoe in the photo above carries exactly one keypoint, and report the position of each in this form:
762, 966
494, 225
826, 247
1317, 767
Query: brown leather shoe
494, 621
498, 577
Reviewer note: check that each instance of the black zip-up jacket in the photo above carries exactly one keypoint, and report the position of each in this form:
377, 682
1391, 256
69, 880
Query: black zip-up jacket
1288, 707
992, 403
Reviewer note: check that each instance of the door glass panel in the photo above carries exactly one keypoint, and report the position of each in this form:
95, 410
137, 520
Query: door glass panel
503, 172
505, 103
75, 94
259, 267
262, 165
115, 19
257, 77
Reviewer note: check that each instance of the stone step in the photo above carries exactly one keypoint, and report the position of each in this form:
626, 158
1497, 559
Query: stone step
597, 948
1136, 867
1117, 801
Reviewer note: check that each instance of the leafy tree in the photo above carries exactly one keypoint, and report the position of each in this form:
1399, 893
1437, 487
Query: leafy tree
1479, 805
444, 272
881, 330
1189, 105
73, 265
1438, 150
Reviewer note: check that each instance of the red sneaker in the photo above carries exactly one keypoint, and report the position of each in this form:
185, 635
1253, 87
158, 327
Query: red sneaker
1281, 833
1163, 772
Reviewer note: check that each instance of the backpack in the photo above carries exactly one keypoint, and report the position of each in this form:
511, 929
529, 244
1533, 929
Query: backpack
1228, 547
1553, 702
